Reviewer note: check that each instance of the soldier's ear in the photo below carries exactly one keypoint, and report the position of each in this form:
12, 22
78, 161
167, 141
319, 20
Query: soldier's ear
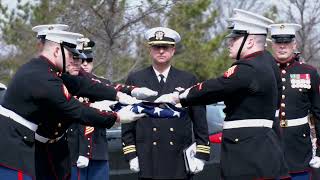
173, 50
56, 51
250, 42
294, 44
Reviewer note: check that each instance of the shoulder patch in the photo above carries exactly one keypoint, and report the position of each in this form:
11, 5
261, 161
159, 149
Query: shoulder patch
230, 71
66, 92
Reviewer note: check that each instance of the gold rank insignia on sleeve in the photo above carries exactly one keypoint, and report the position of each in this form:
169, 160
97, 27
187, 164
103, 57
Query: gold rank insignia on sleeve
203, 149
66, 92
129, 149
88, 130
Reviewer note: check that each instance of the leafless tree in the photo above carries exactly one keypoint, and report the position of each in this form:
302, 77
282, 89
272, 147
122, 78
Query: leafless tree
114, 25
225, 7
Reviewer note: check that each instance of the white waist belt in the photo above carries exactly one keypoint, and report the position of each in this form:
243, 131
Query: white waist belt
248, 123
17, 118
294, 122
46, 140
30, 125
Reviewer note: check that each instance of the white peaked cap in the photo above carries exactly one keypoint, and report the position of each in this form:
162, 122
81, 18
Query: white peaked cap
162, 35
42, 30
64, 36
284, 29
250, 22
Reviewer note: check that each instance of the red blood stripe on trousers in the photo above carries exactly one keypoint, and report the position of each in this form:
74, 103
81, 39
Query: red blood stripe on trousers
20, 175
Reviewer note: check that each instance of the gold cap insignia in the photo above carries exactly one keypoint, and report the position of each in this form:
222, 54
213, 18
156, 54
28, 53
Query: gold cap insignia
159, 35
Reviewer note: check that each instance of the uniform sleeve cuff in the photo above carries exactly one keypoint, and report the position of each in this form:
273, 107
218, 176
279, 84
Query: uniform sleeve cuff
129, 152
203, 152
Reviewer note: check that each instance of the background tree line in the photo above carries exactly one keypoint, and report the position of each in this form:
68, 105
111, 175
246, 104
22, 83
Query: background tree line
117, 27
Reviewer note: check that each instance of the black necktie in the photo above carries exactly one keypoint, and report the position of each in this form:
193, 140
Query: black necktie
161, 80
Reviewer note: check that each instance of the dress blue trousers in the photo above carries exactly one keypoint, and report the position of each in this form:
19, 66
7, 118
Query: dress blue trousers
96, 170
10, 174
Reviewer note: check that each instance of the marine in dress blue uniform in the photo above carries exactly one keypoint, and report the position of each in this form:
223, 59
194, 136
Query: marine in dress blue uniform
300, 96
53, 159
250, 147
88, 145
37, 99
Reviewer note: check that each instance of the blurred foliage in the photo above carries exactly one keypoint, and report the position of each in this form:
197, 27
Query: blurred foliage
198, 52
16, 30
118, 26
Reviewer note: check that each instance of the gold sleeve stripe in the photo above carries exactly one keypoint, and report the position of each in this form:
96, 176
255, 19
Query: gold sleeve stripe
208, 149
202, 151
128, 149
127, 152
131, 146
203, 146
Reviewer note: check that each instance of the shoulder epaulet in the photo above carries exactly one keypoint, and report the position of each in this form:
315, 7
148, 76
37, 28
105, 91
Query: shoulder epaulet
307, 65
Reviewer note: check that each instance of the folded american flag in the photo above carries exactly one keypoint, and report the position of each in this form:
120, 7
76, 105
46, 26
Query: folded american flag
154, 110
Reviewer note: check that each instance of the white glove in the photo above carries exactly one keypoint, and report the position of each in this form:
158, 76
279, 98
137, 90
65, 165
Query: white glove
172, 98
126, 99
199, 165
134, 164
315, 162
127, 116
142, 93
184, 94
103, 105
82, 162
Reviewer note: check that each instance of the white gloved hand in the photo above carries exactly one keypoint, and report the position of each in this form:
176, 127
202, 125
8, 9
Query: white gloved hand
184, 94
126, 99
199, 165
315, 162
127, 116
172, 98
82, 162
103, 105
134, 164
142, 93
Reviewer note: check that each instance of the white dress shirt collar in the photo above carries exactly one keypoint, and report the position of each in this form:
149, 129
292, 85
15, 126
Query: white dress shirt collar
164, 73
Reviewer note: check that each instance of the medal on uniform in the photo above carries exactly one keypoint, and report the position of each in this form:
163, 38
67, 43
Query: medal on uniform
300, 81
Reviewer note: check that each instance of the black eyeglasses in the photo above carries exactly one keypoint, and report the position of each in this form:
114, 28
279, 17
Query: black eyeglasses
88, 60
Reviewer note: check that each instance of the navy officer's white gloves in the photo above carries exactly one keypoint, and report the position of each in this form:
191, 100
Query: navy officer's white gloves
125, 115
142, 93
82, 162
315, 162
199, 164
134, 164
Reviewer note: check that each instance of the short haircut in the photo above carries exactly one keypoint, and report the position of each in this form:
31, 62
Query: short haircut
260, 40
